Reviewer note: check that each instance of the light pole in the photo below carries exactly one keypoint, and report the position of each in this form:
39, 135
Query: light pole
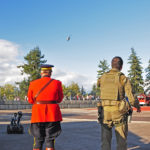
0, 92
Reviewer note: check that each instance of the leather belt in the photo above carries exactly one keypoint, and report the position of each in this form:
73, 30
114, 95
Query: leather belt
45, 102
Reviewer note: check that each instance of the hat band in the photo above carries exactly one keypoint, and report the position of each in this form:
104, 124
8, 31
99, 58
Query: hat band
46, 68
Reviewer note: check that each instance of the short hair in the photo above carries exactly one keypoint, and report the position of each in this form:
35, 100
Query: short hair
117, 62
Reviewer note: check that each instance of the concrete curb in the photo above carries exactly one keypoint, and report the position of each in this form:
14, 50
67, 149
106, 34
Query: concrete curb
15, 105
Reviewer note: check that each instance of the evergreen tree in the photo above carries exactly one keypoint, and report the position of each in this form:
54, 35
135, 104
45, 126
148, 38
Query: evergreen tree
83, 92
147, 70
103, 67
34, 59
23, 88
95, 91
135, 72
147, 80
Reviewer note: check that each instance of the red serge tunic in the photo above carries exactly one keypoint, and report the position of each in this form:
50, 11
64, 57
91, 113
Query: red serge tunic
45, 112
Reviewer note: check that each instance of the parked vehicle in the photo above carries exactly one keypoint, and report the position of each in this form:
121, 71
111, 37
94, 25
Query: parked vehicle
144, 99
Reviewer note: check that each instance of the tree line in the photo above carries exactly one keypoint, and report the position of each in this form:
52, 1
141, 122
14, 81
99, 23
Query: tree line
139, 85
34, 59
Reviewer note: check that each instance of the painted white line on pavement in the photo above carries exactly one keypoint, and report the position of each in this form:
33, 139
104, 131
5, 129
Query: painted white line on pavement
22, 122
74, 120
139, 122
133, 147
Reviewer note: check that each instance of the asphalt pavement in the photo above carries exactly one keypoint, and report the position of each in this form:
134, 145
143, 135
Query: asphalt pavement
80, 131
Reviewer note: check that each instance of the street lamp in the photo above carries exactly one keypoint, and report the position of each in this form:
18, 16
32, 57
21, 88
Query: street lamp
0, 92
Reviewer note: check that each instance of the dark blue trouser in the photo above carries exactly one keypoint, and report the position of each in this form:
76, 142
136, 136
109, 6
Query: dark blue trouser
45, 132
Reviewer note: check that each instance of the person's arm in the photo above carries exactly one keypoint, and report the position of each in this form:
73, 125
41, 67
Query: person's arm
128, 90
30, 95
98, 82
60, 92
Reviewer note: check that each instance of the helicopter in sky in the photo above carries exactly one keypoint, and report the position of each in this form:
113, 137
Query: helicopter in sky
68, 38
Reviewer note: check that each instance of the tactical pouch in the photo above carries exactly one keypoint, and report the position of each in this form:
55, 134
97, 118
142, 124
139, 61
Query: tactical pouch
123, 106
100, 112
109, 86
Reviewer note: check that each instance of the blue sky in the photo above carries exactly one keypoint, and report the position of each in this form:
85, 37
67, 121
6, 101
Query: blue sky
99, 29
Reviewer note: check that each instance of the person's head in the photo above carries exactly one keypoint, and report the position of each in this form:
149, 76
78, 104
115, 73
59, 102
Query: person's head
117, 62
46, 70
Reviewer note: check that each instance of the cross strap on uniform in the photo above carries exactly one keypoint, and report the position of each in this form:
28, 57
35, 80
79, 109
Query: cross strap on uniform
42, 89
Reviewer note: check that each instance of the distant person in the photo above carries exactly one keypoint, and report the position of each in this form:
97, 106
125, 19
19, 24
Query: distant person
4, 97
45, 94
18, 98
113, 109
26, 98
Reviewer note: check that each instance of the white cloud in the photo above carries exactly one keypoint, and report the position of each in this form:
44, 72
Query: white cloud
9, 73
8, 51
69, 77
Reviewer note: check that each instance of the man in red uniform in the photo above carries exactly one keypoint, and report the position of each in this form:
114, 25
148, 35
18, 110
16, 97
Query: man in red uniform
44, 94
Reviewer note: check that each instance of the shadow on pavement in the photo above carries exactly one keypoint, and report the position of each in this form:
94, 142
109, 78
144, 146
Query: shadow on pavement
74, 136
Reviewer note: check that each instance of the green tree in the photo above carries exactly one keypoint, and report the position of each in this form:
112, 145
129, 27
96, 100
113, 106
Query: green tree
103, 67
95, 91
34, 59
33, 62
135, 72
147, 70
74, 89
23, 88
82, 91
66, 91
147, 80
8, 90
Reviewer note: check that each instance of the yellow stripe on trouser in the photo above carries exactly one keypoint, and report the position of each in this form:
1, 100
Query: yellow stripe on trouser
34, 142
54, 142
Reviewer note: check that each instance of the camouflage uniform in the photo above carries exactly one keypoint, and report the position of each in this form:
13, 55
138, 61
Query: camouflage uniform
114, 85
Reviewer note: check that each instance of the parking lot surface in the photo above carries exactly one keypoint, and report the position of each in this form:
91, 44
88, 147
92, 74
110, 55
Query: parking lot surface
80, 131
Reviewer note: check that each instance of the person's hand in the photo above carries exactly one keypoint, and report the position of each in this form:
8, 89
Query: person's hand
137, 105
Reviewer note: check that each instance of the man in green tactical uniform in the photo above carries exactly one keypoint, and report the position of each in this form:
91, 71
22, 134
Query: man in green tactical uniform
114, 86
